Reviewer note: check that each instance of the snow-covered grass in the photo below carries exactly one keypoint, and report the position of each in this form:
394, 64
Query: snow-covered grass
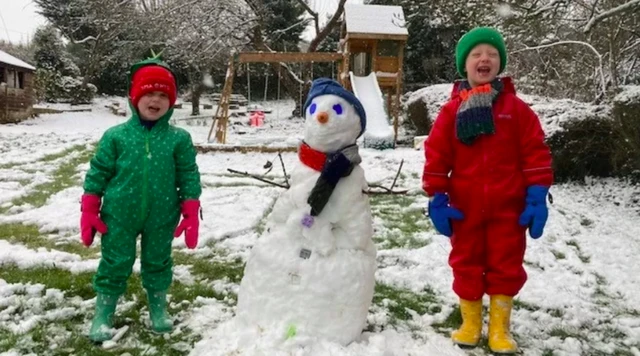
582, 296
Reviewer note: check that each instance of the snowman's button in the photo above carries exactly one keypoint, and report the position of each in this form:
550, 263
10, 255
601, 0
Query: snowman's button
307, 220
305, 254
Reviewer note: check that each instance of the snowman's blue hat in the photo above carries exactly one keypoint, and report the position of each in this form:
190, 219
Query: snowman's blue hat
327, 86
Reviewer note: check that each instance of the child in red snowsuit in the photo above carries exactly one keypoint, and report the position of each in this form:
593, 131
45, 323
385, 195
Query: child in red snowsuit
487, 174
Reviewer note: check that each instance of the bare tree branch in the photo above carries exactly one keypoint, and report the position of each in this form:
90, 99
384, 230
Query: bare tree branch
301, 22
626, 7
86, 39
328, 27
595, 51
313, 14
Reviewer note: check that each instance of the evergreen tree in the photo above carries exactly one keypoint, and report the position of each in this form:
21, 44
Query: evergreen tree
284, 24
50, 53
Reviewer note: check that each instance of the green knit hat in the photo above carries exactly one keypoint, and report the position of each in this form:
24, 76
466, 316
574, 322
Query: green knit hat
475, 37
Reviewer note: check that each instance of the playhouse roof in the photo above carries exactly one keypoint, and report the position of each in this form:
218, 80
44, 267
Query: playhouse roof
6, 58
375, 20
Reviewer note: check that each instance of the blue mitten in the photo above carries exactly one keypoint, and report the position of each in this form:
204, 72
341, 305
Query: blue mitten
441, 214
535, 213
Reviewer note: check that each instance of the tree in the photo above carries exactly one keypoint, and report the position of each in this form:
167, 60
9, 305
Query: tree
203, 34
50, 53
284, 24
582, 50
98, 28
57, 76
290, 80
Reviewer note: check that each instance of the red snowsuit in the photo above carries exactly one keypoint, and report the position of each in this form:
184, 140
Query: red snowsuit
487, 181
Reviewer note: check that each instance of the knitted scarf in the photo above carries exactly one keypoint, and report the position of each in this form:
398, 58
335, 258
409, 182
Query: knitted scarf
475, 114
332, 167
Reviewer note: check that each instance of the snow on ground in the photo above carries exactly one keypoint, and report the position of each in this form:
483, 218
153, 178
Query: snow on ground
582, 296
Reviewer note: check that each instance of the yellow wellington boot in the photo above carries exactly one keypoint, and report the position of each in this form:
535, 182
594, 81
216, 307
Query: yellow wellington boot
471, 328
500, 340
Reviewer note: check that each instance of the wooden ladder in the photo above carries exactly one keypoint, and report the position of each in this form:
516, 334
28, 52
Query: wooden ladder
221, 117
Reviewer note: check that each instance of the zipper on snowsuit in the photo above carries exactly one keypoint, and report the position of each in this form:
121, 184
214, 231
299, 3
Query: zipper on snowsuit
145, 177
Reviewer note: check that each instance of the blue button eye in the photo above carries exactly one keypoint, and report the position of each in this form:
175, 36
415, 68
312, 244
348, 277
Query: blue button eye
312, 108
338, 109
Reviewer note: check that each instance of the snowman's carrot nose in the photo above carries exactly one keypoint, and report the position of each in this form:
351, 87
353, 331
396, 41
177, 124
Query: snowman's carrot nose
322, 117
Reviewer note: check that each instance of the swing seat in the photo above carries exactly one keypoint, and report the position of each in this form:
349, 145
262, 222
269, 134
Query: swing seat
256, 119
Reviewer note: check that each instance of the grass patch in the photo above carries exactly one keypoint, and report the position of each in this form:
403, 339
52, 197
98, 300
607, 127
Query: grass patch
534, 265
519, 304
556, 313
29, 236
402, 224
558, 255
616, 352
453, 321
399, 302
7, 340
78, 284
210, 269
69, 332
63, 177
263, 221
564, 333
581, 255
586, 222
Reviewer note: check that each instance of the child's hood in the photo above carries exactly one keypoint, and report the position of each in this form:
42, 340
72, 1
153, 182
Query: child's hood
507, 83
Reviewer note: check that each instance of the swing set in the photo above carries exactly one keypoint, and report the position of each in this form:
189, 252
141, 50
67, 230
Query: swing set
221, 117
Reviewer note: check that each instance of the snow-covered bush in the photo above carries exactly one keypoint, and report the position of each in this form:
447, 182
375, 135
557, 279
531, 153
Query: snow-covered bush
583, 148
51, 86
76, 92
626, 114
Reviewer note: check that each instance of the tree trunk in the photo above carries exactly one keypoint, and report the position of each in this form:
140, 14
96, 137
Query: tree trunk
195, 102
197, 88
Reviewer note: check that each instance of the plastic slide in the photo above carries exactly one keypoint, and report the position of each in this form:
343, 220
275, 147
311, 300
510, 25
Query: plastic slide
379, 133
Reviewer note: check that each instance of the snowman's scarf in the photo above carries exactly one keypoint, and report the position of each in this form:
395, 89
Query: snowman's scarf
332, 167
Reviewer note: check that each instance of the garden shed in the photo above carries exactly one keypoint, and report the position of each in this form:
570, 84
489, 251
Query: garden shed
16, 88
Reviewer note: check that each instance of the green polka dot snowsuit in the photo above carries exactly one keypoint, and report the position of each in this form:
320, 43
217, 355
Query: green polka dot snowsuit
142, 176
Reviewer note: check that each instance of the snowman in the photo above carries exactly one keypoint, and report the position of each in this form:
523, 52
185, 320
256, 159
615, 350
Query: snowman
312, 272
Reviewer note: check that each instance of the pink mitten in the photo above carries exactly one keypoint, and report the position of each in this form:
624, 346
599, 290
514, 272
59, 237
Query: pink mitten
190, 223
90, 220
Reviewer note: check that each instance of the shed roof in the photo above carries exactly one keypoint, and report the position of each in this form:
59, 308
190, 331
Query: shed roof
375, 20
6, 58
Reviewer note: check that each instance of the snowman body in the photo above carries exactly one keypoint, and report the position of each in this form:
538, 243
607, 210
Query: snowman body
316, 279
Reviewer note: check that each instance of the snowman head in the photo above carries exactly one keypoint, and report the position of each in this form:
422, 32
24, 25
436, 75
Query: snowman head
334, 117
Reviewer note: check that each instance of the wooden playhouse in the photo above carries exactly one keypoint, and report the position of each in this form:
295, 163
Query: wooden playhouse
372, 41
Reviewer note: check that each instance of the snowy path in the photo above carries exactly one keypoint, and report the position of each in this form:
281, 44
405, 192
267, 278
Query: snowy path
582, 297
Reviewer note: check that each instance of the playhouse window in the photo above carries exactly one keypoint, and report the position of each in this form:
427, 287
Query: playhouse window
387, 48
2, 79
360, 63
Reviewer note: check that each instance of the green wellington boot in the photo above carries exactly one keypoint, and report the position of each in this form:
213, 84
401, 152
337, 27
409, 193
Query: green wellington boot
160, 320
101, 327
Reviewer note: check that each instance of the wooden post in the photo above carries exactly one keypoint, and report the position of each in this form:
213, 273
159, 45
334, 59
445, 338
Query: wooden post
374, 55
398, 91
221, 117
344, 74
6, 102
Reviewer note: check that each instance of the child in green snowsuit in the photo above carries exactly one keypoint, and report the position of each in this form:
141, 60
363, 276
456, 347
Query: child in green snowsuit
143, 175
